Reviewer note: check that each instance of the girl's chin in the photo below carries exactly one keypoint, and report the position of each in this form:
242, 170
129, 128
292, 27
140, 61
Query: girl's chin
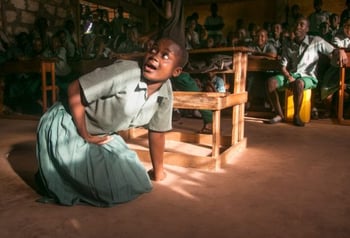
153, 80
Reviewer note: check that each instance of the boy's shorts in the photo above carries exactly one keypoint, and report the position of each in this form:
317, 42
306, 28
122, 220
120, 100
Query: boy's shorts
309, 82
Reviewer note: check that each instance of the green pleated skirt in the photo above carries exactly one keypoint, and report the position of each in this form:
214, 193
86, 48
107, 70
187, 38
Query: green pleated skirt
73, 171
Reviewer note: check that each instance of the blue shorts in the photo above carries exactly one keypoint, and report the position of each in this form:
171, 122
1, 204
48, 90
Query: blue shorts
283, 83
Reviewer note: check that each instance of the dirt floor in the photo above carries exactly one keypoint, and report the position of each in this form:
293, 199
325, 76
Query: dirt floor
288, 182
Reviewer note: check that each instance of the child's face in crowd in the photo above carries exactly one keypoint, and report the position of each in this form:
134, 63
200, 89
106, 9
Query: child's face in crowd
277, 29
242, 34
261, 38
301, 28
162, 61
210, 42
37, 45
56, 43
63, 38
335, 21
346, 28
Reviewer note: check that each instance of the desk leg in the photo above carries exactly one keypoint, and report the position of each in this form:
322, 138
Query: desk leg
341, 95
44, 87
216, 137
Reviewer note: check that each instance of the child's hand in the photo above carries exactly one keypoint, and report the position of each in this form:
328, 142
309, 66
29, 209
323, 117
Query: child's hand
99, 140
343, 58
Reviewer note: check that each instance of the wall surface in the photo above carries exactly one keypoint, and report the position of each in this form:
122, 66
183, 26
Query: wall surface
20, 15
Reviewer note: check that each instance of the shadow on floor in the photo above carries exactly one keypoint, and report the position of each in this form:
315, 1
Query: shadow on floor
22, 159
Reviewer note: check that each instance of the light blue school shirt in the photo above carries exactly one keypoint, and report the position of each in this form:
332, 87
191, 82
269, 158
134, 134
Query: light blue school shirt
341, 40
219, 84
303, 58
268, 48
117, 100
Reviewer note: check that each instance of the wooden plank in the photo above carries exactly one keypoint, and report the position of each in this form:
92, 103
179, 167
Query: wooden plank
229, 155
183, 136
180, 159
207, 101
20, 66
227, 49
261, 64
196, 161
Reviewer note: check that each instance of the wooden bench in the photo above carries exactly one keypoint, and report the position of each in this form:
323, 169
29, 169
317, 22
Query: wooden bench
34, 66
222, 147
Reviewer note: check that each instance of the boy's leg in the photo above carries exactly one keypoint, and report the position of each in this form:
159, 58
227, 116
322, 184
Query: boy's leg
273, 84
298, 95
299, 85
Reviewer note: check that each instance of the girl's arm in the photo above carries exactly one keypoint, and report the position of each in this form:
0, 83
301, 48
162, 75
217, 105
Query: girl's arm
156, 149
78, 113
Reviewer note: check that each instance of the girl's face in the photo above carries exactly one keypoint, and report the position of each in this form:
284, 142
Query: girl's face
162, 61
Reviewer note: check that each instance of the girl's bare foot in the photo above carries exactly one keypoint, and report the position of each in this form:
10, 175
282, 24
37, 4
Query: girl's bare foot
156, 176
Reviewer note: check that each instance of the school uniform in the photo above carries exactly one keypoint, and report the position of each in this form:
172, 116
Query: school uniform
301, 60
330, 82
73, 171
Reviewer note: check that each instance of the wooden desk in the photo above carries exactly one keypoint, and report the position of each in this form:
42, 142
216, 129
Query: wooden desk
262, 64
34, 66
222, 147
342, 86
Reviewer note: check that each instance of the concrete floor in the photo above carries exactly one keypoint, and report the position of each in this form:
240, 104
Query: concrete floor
288, 182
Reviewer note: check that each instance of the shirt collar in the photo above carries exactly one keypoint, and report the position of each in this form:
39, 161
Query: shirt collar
306, 41
162, 92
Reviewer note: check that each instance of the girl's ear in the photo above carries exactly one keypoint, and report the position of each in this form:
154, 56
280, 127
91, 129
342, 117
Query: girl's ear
177, 71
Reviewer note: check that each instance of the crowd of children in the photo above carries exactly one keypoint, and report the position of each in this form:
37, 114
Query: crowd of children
269, 38
101, 36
